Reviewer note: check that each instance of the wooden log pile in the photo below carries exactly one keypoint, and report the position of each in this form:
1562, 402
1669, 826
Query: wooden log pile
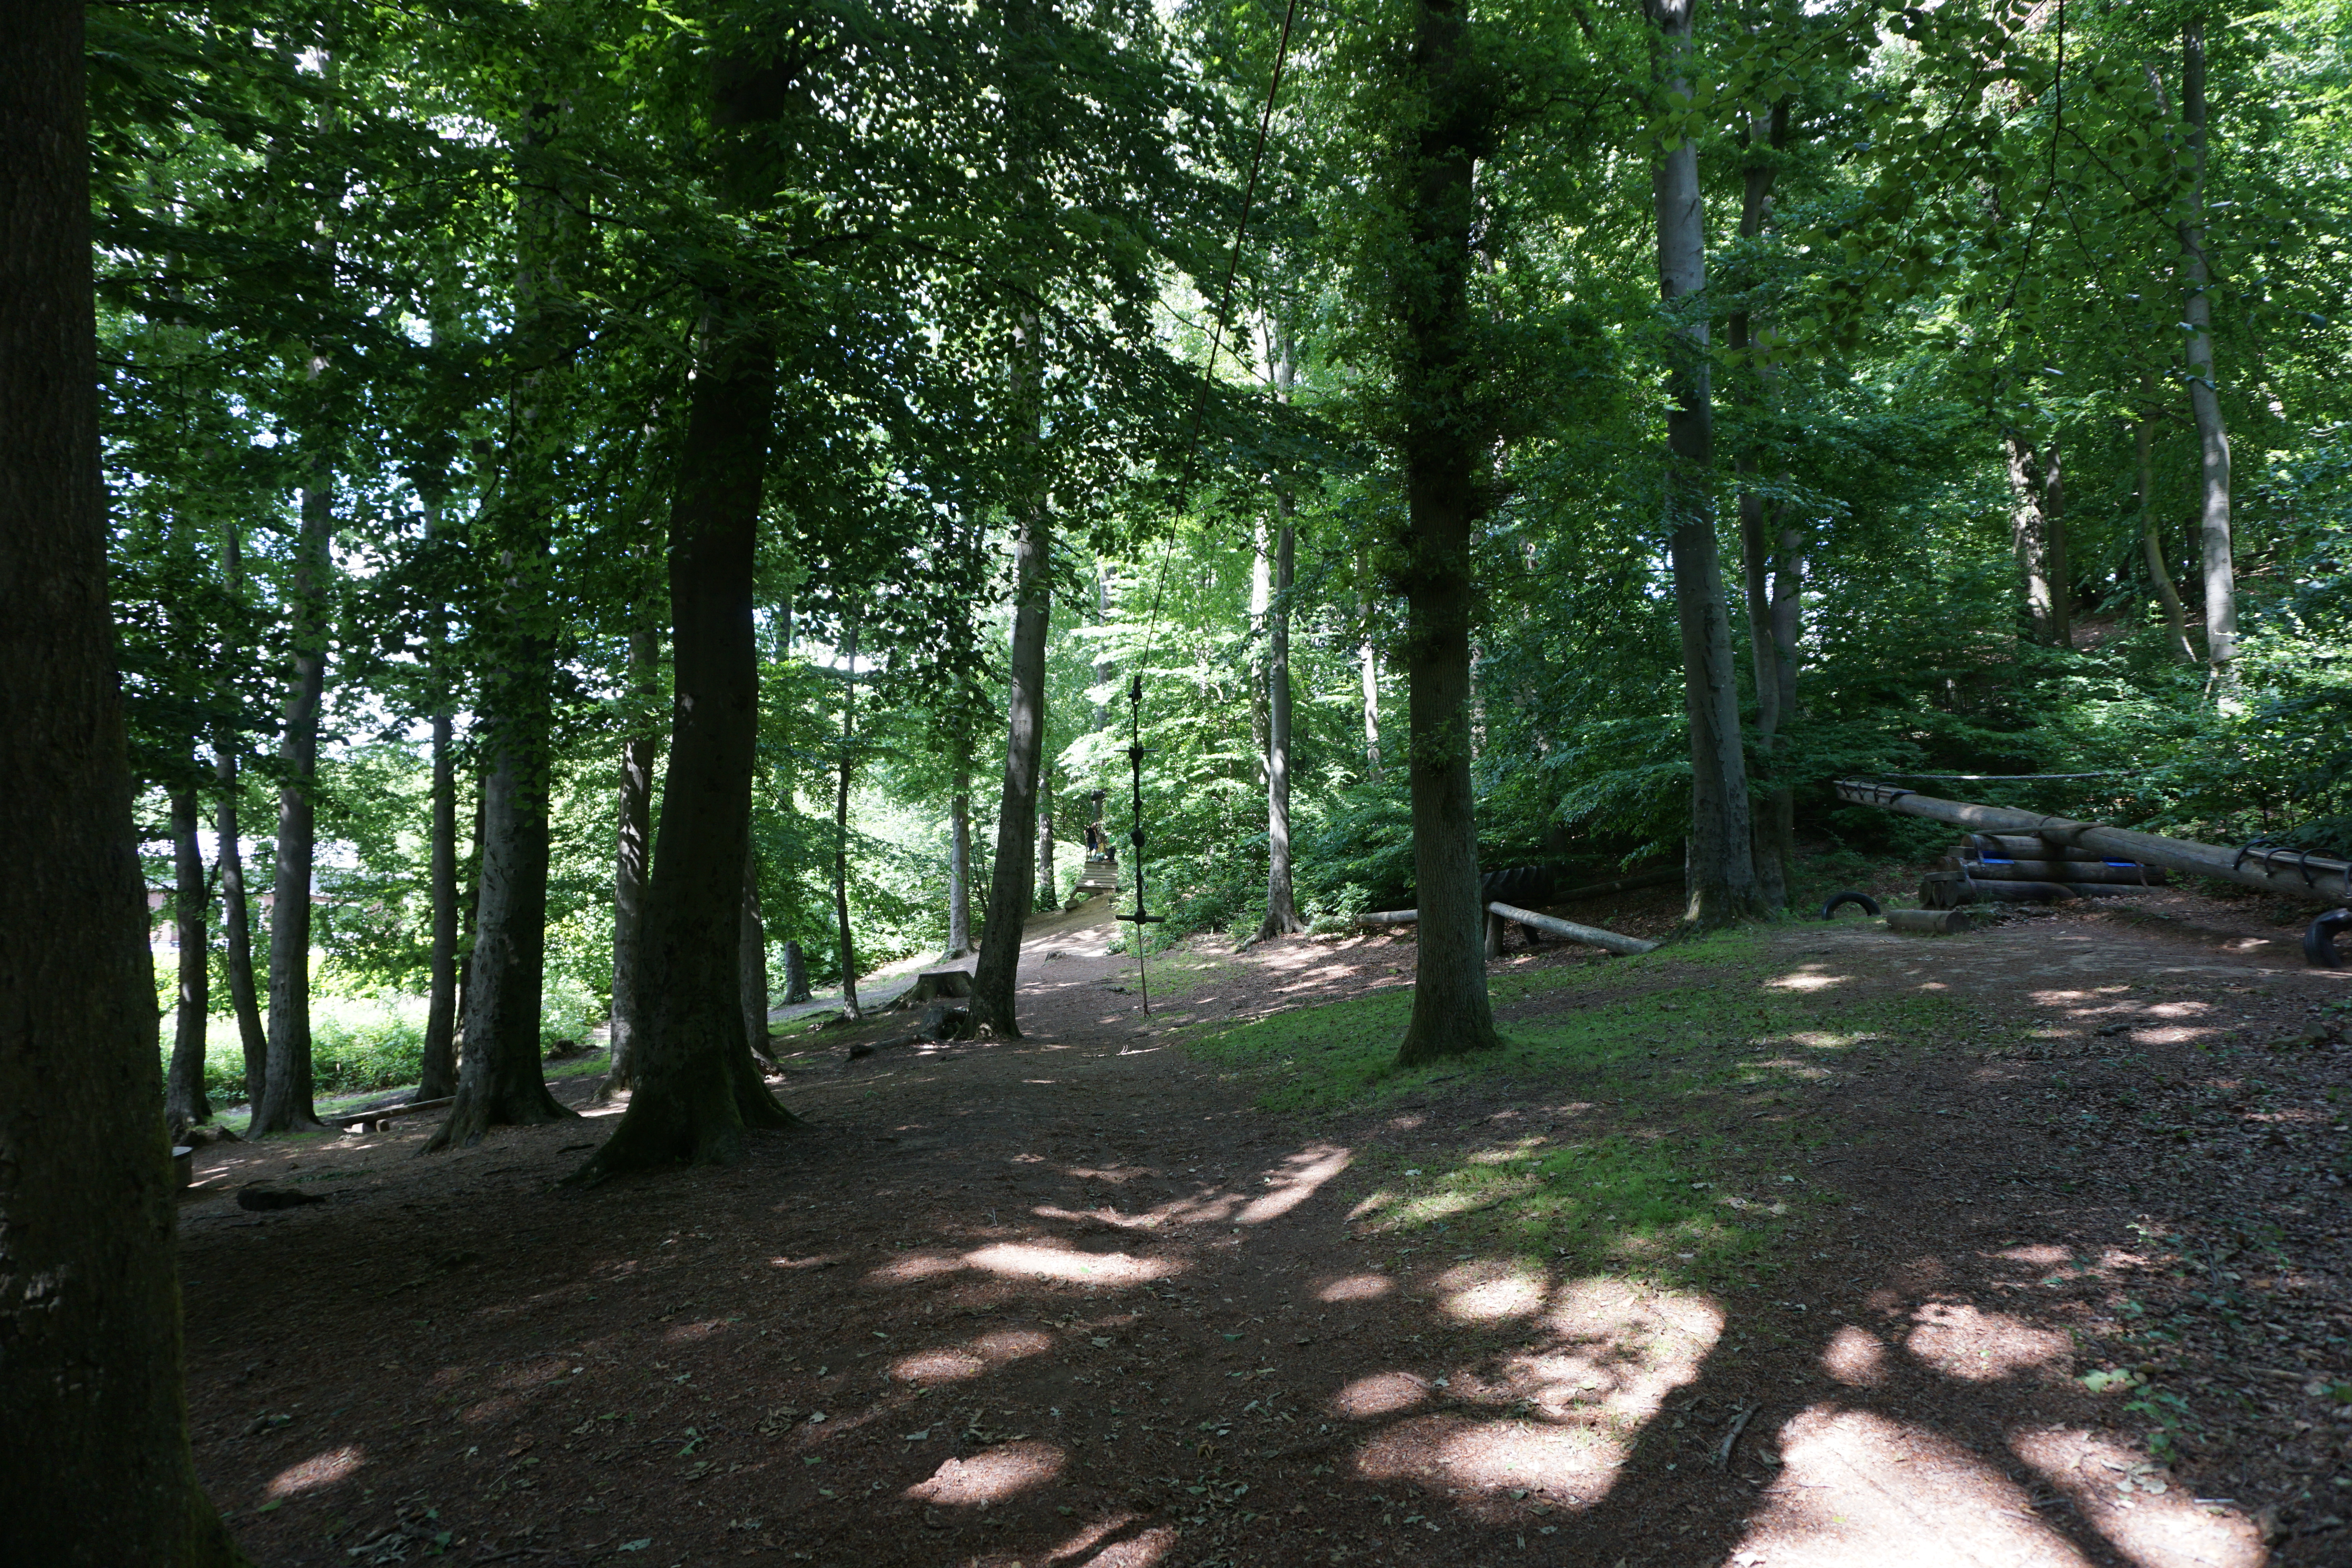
2274, 868
2024, 868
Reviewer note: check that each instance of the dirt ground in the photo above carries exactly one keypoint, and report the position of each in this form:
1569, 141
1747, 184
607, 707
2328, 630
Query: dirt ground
2070, 1288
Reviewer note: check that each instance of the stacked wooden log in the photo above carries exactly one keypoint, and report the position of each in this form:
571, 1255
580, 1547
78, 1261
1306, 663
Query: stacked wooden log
2027, 868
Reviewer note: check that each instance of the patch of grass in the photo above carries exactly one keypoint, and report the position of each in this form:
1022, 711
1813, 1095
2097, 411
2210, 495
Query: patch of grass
1668, 1157
1626, 1202
1665, 1023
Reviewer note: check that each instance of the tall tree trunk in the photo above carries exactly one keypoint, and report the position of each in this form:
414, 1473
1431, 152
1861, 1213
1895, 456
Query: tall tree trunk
697, 1088
960, 865
2204, 400
236, 921
840, 828
1723, 887
1281, 900
501, 1080
754, 961
286, 1096
1442, 451
632, 844
2151, 537
437, 1077
183, 1087
997, 970
797, 985
1368, 657
100, 1470
236, 917
1775, 846
2038, 537
1261, 599
469, 899
1048, 886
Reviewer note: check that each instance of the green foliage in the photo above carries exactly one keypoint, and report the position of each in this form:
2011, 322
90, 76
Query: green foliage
360, 1044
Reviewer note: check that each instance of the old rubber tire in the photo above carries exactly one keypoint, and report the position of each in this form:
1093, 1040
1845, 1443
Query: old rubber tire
2319, 939
1869, 905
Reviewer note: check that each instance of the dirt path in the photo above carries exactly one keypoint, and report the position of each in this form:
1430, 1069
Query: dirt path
1076, 1300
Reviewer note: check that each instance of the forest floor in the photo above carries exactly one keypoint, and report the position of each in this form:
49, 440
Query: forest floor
1809, 1245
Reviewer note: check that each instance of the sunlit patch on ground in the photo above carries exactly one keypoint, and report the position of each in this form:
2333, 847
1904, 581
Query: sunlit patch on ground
1565, 1416
1300, 1177
1029, 1260
1490, 1292
1960, 1341
1860, 1491
318, 1470
1357, 1288
915, 1267
1383, 1394
1854, 1356
1455, 1452
2151, 1518
1809, 978
1114, 1543
956, 1363
990, 1477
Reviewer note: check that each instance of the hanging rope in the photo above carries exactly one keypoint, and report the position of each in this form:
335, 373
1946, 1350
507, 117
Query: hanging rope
1141, 916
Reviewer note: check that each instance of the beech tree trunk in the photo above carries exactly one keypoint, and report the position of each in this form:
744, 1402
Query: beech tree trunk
286, 1096
1049, 887
1281, 900
697, 1088
2204, 399
960, 867
1010, 883
754, 961
632, 847
840, 828
99, 1469
1723, 887
1443, 448
501, 1081
2151, 537
2038, 537
437, 1076
237, 916
183, 1086
797, 985
1772, 661
1369, 657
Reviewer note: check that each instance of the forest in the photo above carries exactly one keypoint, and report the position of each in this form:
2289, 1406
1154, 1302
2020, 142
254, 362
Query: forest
556, 556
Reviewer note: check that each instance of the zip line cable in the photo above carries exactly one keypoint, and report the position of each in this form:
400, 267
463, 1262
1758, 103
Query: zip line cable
1141, 917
